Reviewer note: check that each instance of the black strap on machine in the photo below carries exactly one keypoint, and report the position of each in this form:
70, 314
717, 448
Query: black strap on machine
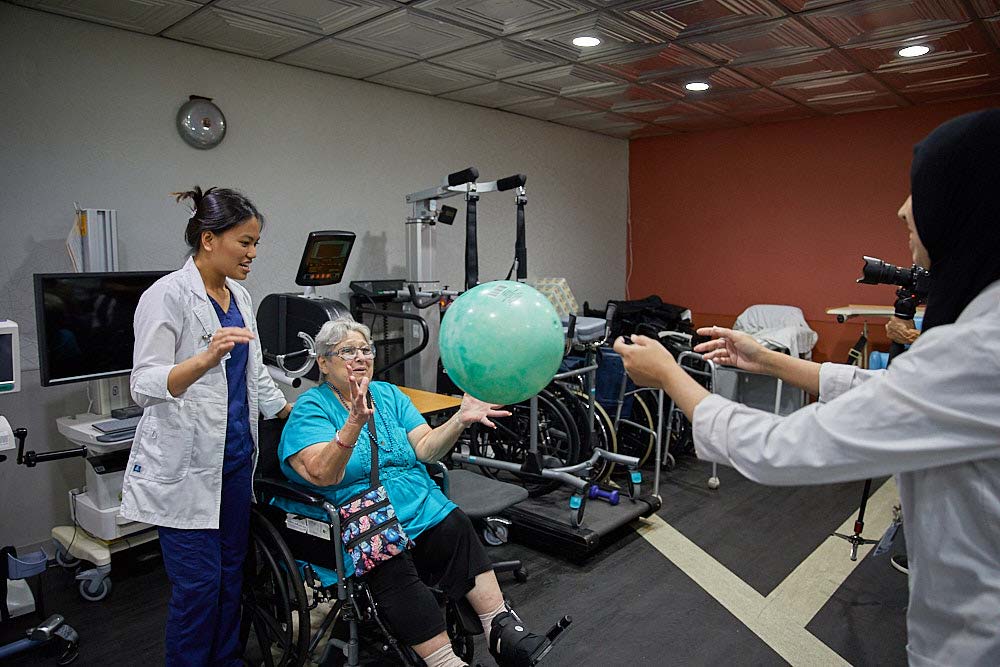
856, 355
471, 246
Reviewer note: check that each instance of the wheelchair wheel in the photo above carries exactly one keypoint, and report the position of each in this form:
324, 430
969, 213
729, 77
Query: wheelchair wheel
558, 441
604, 437
576, 403
639, 437
275, 615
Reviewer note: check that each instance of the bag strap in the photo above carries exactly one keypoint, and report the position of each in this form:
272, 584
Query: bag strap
374, 441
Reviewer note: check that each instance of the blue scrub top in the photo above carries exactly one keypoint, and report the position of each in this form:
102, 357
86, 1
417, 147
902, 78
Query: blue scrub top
316, 417
239, 442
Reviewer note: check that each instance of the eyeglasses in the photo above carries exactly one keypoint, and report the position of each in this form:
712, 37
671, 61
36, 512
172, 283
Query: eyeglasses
349, 353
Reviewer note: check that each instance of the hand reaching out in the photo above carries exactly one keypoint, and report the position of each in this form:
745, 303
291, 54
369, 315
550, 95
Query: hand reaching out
645, 359
732, 348
474, 411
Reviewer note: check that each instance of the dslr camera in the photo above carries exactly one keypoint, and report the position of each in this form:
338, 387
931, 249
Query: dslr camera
914, 283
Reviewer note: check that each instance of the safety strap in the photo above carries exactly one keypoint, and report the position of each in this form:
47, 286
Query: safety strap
374, 441
471, 249
856, 356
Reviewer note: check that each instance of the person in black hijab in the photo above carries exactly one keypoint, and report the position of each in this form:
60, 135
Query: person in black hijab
954, 180
932, 418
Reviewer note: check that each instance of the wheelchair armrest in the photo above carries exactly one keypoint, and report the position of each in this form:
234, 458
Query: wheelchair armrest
439, 473
287, 490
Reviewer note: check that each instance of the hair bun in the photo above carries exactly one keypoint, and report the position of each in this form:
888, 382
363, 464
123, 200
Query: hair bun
195, 195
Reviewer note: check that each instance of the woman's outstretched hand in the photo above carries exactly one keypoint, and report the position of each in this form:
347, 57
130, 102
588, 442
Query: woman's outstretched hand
732, 348
645, 360
474, 411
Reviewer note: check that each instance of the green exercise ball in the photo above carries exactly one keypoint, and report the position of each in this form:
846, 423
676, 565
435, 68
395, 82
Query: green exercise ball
501, 342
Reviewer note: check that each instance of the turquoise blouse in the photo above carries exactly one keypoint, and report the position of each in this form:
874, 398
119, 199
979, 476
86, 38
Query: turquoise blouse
316, 417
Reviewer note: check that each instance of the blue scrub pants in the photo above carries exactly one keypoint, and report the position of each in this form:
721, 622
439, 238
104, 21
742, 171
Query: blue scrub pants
205, 568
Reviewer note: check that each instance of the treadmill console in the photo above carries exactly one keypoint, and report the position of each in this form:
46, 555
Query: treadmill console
324, 258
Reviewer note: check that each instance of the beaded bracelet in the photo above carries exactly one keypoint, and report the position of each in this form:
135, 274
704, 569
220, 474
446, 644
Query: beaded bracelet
341, 443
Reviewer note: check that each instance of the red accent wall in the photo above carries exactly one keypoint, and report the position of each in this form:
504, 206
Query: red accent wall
779, 213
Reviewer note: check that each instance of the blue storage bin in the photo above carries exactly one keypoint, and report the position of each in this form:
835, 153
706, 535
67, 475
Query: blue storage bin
26, 565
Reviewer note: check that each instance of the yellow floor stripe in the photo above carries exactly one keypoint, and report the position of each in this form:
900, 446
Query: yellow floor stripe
804, 592
779, 619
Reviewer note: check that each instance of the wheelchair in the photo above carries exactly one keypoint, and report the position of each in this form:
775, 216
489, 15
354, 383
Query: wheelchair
275, 624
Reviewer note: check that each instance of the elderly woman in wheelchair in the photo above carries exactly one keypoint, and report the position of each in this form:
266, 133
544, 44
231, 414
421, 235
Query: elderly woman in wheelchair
326, 446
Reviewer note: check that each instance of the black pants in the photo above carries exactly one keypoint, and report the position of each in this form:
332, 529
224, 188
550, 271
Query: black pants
447, 556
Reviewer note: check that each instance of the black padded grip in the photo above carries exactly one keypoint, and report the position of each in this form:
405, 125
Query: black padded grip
471, 245
521, 245
609, 314
465, 176
511, 182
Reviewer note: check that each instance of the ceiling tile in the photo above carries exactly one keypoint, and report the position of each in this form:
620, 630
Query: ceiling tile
498, 59
549, 108
323, 17
956, 41
986, 8
651, 131
616, 35
220, 29
841, 94
993, 27
683, 18
494, 94
877, 20
958, 77
754, 116
806, 5
804, 67
601, 122
687, 117
733, 103
426, 78
622, 96
567, 80
343, 58
632, 132
145, 16
774, 39
502, 18
720, 79
412, 35
651, 63
757, 106
647, 113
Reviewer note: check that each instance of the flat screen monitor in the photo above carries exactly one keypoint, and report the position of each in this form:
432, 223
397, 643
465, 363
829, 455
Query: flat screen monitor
85, 323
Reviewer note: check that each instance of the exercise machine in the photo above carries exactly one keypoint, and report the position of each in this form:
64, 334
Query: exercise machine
17, 597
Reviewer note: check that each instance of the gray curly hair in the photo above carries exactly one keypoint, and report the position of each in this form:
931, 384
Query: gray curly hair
334, 331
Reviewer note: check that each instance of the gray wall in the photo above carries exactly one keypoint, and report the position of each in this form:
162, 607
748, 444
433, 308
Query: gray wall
88, 116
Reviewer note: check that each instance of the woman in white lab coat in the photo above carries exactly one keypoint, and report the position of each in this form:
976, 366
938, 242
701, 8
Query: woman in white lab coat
932, 417
199, 374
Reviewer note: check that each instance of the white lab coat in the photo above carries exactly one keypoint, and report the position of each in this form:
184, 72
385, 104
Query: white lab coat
933, 417
174, 473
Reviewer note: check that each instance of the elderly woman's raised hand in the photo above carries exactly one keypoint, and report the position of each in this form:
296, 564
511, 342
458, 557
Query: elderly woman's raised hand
357, 406
474, 411
732, 348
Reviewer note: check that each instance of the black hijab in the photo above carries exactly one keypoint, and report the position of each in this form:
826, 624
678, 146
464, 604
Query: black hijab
955, 184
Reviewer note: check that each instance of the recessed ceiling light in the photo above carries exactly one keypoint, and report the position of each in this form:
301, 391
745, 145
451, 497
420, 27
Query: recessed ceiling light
914, 51
697, 86
586, 41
